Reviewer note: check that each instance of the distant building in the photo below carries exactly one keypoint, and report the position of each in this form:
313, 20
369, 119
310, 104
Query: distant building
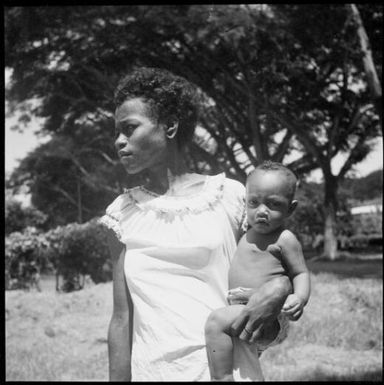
367, 209
367, 217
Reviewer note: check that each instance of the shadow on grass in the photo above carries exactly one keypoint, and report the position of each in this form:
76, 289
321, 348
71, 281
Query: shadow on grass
320, 374
357, 268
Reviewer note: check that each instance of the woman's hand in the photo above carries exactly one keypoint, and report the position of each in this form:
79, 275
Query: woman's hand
263, 307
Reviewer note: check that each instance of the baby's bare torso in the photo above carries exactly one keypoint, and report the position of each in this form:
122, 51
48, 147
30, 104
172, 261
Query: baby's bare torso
252, 267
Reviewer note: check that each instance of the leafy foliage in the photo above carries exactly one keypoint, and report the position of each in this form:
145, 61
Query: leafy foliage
80, 249
274, 78
25, 255
72, 250
18, 217
307, 219
352, 231
364, 189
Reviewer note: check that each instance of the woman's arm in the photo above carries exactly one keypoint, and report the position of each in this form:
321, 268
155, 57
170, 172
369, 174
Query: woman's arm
120, 327
263, 307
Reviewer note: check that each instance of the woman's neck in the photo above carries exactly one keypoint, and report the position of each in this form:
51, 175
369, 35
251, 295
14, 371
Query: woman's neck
162, 177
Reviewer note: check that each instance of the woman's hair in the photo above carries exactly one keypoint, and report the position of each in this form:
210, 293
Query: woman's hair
170, 98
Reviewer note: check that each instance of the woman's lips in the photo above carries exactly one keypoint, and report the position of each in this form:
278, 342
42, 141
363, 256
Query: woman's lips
123, 154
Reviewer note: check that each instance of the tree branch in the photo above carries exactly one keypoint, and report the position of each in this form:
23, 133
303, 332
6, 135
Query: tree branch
69, 198
351, 160
282, 147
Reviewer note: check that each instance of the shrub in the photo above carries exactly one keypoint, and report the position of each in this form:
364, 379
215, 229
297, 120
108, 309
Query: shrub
25, 257
73, 250
367, 223
80, 249
18, 217
361, 242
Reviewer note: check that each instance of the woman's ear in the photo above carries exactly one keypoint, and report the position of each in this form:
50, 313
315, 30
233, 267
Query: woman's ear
171, 130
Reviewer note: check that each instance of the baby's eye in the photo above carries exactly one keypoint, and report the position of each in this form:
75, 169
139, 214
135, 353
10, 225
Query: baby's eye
274, 204
253, 202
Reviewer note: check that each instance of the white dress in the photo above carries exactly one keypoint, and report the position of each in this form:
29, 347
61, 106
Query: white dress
178, 249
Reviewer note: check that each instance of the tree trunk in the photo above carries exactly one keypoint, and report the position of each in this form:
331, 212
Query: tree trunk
369, 66
79, 205
330, 208
254, 124
330, 239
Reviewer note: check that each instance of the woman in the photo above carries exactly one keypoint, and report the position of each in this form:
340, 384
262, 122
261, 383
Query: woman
172, 240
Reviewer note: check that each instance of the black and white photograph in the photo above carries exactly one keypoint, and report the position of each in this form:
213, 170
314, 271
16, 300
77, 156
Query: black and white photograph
193, 192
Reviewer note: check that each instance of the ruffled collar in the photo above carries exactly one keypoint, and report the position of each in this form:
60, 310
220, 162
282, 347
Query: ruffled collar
206, 197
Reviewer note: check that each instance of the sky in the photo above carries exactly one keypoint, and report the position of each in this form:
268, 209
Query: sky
18, 144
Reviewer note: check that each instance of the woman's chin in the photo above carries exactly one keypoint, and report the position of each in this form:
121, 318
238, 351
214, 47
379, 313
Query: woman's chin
132, 169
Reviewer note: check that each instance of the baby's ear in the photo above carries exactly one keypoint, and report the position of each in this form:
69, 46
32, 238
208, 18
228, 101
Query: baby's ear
292, 206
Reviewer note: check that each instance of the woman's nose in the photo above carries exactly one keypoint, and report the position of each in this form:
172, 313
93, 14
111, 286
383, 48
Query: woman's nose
120, 142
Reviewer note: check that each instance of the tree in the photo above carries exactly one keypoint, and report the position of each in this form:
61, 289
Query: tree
330, 111
71, 58
364, 189
68, 179
273, 78
369, 66
18, 217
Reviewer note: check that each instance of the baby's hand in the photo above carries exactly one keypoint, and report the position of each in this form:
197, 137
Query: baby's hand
275, 250
293, 307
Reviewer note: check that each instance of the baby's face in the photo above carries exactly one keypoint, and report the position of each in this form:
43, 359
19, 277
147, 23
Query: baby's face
268, 200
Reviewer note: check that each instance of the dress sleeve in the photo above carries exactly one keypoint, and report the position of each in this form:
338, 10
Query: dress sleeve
234, 202
111, 218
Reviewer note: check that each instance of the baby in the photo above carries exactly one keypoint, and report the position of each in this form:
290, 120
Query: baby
265, 251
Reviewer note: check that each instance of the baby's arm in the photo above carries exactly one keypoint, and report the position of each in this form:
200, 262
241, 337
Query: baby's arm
293, 258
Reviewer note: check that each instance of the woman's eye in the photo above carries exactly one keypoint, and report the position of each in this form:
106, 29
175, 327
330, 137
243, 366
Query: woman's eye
128, 129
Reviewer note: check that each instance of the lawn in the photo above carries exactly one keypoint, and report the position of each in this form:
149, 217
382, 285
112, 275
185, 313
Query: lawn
63, 337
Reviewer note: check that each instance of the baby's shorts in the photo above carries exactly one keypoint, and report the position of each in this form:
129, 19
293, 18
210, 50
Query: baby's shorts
281, 318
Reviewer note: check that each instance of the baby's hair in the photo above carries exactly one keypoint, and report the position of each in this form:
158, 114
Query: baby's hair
169, 97
268, 165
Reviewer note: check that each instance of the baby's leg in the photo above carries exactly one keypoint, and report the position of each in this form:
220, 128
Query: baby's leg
219, 342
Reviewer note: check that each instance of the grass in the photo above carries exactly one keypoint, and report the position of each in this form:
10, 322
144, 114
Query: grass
63, 337
58, 337
369, 267
339, 337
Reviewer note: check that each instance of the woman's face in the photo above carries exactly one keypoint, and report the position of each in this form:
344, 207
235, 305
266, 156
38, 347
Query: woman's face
141, 142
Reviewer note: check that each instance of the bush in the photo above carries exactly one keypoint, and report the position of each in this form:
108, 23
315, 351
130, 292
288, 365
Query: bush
79, 250
25, 257
18, 217
361, 242
73, 250
367, 223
